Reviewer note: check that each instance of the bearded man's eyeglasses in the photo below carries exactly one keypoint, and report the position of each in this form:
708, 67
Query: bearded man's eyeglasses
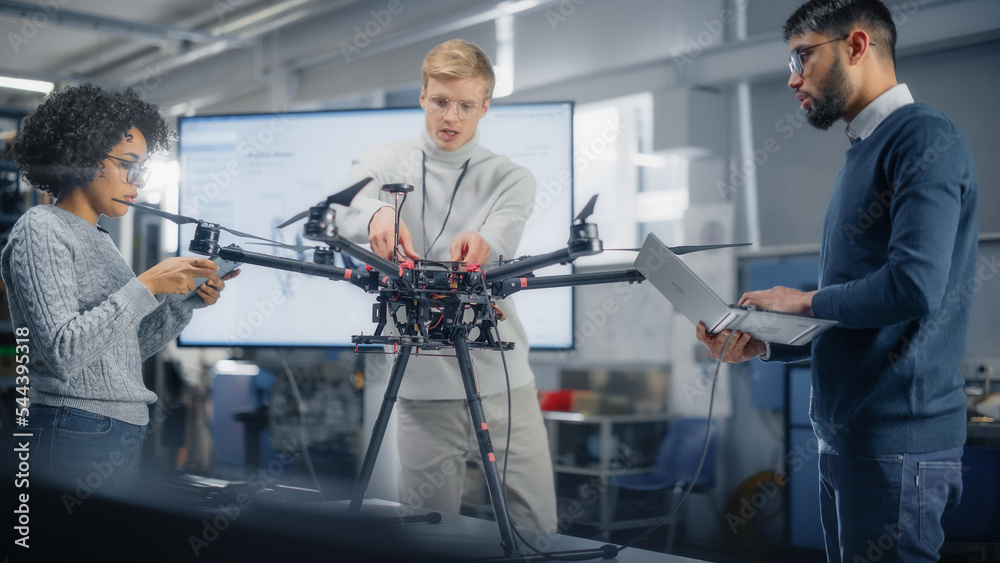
796, 60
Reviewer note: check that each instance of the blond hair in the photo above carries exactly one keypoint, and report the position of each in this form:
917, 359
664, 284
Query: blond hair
459, 58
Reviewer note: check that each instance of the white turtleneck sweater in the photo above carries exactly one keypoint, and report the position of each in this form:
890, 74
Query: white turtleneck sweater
494, 199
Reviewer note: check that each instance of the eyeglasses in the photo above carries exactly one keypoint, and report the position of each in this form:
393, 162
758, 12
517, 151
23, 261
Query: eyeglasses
795, 61
136, 173
439, 105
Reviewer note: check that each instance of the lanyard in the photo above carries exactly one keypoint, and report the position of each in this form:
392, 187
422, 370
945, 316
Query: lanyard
423, 202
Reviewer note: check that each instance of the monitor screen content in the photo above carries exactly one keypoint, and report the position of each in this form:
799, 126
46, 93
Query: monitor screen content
251, 172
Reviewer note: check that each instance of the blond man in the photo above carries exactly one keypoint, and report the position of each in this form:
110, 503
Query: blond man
469, 205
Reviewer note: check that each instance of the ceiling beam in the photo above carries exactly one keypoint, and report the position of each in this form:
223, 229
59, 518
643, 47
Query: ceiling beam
153, 34
139, 69
417, 33
928, 26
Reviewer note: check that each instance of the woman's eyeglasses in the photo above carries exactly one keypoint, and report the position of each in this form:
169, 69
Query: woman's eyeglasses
136, 173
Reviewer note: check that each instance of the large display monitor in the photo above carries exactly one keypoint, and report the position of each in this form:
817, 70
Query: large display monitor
251, 172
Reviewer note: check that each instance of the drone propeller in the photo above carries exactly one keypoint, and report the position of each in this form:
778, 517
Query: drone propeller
343, 197
587, 210
295, 247
182, 220
679, 250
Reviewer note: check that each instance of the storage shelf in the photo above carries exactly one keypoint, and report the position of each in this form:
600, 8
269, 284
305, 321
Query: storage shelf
632, 438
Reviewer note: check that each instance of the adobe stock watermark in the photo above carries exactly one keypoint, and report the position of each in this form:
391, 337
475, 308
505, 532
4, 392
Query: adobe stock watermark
90, 484
32, 25
939, 486
588, 495
599, 315
229, 512
749, 506
714, 29
740, 172
562, 12
583, 155
248, 148
225, 7
152, 78
986, 270
417, 495
261, 312
364, 34
945, 140
902, 12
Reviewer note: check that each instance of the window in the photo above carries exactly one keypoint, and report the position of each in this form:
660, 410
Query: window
640, 192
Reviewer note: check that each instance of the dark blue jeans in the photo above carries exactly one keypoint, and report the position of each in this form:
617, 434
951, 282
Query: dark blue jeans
81, 452
887, 508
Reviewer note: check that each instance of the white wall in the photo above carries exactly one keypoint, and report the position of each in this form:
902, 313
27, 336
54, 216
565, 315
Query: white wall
795, 182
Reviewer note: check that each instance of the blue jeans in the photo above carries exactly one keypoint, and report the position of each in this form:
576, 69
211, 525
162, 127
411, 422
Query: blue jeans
81, 452
887, 508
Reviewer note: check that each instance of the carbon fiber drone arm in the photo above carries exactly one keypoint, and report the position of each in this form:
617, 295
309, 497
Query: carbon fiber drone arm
527, 265
237, 254
509, 286
391, 269
583, 242
321, 227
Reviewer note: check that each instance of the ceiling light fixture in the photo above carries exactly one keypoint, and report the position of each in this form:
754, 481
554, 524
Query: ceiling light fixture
25, 84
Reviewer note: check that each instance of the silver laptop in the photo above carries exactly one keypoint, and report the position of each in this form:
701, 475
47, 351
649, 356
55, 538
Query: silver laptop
696, 301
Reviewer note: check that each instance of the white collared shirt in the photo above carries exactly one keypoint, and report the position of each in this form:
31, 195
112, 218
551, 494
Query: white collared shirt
876, 112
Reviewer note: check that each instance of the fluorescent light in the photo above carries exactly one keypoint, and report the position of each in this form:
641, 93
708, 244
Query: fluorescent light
503, 67
25, 84
504, 81
511, 8
255, 17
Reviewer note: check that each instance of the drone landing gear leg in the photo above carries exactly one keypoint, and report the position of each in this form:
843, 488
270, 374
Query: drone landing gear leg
378, 432
497, 494
479, 424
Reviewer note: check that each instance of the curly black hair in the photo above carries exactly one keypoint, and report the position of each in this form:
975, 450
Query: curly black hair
64, 140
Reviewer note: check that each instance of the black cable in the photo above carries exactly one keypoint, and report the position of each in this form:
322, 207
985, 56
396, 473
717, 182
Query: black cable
608, 551
506, 375
423, 203
302, 428
701, 461
506, 453
399, 213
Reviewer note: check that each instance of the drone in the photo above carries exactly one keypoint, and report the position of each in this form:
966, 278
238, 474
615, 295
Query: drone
430, 305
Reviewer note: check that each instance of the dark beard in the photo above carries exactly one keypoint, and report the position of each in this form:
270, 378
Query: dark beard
829, 107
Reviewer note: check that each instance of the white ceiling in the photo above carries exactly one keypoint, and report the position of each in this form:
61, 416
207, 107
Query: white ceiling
66, 41
257, 55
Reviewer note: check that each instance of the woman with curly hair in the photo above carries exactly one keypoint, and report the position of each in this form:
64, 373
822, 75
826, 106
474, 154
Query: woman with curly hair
86, 321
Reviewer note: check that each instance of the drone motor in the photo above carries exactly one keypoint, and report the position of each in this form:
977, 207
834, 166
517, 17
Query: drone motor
206, 240
584, 240
323, 256
321, 223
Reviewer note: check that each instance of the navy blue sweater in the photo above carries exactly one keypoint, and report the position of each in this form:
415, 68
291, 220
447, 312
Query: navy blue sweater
897, 271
